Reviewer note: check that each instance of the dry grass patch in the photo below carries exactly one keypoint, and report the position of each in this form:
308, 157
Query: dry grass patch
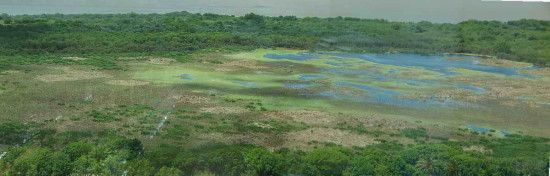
134, 58
194, 99
72, 75
374, 122
236, 65
11, 72
74, 58
225, 69
340, 137
151, 59
253, 64
127, 82
161, 61
504, 63
543, 72
309, 117
477, 149
224, 110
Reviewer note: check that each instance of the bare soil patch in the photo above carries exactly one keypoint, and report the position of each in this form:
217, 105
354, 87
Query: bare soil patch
127, 83
72, 75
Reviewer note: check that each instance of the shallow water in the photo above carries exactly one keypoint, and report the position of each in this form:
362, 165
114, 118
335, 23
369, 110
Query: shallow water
472, 88
435, 63
186, 77
245, 84
479, 129
505, 133
307, 77
301, 85
371, 83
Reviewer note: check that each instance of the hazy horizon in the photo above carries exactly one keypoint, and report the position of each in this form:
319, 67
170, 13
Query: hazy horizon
451, 11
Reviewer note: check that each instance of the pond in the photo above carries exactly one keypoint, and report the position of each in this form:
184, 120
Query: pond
389, 78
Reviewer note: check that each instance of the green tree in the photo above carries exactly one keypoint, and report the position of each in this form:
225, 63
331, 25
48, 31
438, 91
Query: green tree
264, 162
327, 161
169, 171
503, 47
254, 18
115, 164
140, 167
77, 149
85, 165
41, 162
430, 166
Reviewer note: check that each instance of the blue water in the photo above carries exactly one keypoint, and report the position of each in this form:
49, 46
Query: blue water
246, 84
413, 84
472, 88
311, 77
476, 128
391, 99
301, 85
365, 75
186, 77
505, 133
343, 64
391, 95
367, 87
296, 57
435, 63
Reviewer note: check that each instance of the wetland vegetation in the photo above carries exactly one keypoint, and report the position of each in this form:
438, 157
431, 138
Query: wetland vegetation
207, 94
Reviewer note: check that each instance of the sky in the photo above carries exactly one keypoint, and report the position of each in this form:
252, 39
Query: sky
448, 11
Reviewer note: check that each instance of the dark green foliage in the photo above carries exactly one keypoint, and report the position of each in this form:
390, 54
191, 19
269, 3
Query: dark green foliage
41, 162
44, 38
116, 155
176, 132
98, 116
77, 149
12, 132
264, 162
415, 133
327, 161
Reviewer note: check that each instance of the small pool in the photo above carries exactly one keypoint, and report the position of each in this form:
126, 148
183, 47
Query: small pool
472, 88
186, 77
479, 129
245, 84
505, 133
301, 85
307, 77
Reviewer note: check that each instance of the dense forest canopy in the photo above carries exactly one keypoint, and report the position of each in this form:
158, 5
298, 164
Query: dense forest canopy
76, 154
523, 40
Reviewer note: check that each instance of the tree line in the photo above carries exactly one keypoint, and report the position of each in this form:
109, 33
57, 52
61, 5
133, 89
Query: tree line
521, 40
